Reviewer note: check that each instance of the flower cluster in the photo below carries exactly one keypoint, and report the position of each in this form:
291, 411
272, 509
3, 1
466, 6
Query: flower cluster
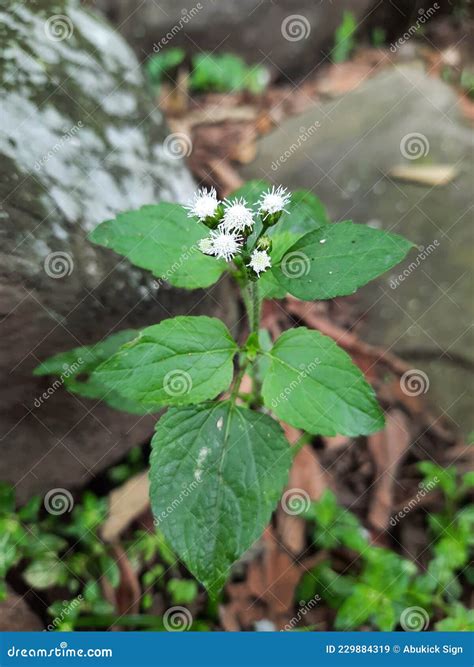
232, 221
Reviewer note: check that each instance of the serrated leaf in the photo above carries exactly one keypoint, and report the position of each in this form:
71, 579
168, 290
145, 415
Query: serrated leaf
304, 213
312, 384
74, 369
180, 361
86, 357
163, 239
217, 472
269, 286
337, 259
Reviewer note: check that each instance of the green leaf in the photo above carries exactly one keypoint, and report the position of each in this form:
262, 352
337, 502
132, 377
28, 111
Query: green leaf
161, 63
217, 472
344, 38
29, 512
337, 259
459, 619
305, 213
85, 358
335, 524
251, 191
7, 498
312, 384
44, 545
74, 369
356, 608
163, 239
269, 286
226, 72
42, 574
384, 615
180, 361
182, 591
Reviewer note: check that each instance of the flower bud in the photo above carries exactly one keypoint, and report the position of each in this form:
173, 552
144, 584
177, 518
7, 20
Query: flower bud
265, 243
270, 219
214, 221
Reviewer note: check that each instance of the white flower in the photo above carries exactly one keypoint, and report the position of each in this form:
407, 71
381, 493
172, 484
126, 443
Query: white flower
237, 216
206, 246
260, 261
274, 200
225, 245
204, 204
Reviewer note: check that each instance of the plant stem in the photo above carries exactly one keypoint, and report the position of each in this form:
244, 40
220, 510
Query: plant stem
237, 382
256, 307
246, 298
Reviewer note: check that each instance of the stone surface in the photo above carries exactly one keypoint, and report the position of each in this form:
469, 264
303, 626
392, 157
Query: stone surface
346, 160
16, 616
254, 29
80, 142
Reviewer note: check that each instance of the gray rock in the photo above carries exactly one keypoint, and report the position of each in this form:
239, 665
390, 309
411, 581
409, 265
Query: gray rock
343, 151
289, 39
80, 142
16, 615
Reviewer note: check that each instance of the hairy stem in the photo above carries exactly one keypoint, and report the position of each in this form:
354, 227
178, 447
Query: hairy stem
256, 307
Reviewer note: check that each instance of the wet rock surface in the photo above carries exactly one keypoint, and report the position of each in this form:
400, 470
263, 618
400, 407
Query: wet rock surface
343, 151
80, 142
291, 39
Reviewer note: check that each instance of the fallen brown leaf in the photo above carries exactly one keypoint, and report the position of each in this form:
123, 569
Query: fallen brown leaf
388, 449
432, 175
126, 503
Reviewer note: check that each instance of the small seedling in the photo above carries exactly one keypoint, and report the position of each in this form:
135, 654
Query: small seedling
344, 39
